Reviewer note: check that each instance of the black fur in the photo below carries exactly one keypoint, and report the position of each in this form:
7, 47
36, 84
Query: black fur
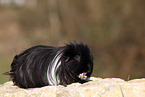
45, 65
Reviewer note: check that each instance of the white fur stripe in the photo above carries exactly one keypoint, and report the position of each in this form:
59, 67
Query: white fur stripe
52, 68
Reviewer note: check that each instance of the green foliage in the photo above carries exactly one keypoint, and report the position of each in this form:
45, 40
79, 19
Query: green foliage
4, 67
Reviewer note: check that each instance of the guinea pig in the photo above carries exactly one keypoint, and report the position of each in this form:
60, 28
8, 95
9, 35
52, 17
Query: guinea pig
41, 65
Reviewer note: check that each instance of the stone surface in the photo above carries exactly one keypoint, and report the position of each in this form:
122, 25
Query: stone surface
109, 87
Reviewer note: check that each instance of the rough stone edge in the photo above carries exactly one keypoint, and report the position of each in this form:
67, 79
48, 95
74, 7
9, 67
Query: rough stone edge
98, 87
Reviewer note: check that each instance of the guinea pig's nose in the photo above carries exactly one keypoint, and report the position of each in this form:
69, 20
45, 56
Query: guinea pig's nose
88, 68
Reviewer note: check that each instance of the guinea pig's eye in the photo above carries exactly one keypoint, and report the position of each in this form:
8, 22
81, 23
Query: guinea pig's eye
77, 57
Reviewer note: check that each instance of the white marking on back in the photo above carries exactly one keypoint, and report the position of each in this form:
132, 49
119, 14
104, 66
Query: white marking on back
52, 68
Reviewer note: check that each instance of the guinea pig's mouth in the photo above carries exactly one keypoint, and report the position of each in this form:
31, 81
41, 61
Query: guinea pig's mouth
83, 76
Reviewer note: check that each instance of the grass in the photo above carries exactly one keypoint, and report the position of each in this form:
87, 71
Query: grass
128, 78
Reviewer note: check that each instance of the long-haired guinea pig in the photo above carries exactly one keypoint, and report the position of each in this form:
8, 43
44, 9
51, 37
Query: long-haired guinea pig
41, 66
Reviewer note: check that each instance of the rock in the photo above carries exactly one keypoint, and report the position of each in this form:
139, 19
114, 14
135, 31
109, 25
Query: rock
109, 87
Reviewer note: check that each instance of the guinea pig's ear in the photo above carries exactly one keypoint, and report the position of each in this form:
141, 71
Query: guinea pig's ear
77, 57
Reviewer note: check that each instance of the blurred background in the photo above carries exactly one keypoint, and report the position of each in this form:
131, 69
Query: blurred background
114, 30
